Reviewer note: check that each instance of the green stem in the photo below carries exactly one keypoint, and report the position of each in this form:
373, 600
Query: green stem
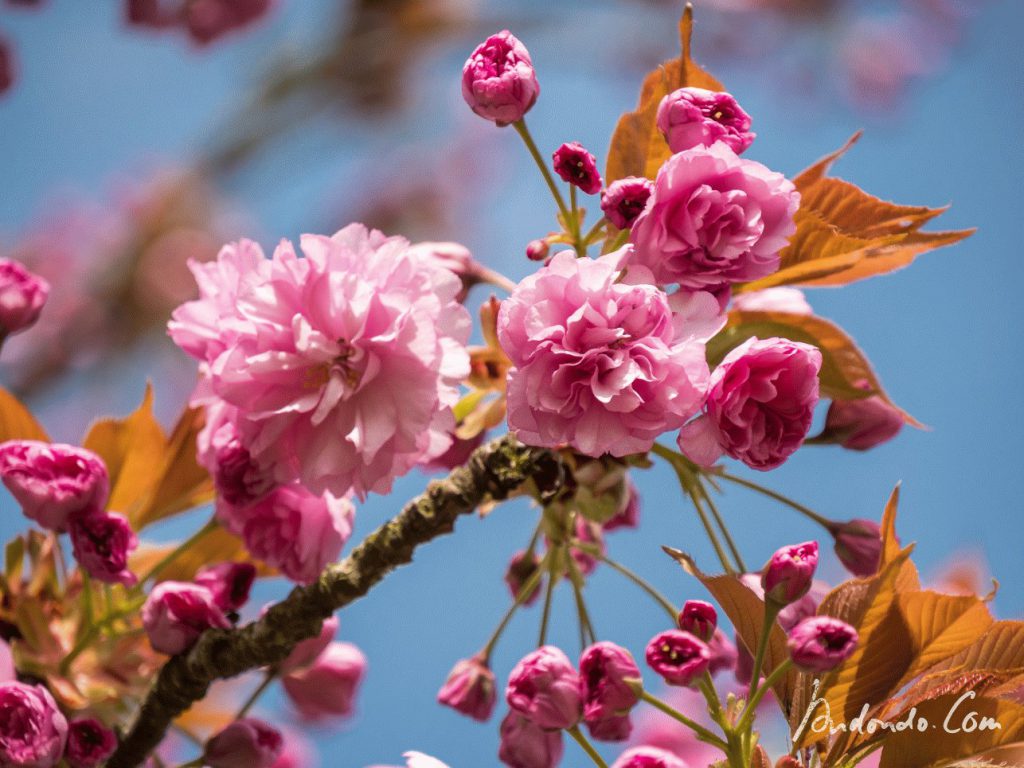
524, 132
820, 519
587, 746
524, 594
702, 733
87, 614
178, 550
586, 626
646, 586
707, 687
268, 678
86, 639
593, 232
546, 615
771, 610
723, 527
748, 713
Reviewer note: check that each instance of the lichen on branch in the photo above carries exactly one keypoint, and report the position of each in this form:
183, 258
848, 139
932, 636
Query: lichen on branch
493, 472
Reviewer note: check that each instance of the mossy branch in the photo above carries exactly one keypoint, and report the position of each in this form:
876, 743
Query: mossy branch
494, 471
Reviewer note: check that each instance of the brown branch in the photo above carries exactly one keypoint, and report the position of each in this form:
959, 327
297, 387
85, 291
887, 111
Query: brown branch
494, 471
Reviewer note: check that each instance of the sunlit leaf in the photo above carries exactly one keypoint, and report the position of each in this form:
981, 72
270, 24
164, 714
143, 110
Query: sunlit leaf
216, 546
843, 234
16, 422
845, 370
638, 148
133, 449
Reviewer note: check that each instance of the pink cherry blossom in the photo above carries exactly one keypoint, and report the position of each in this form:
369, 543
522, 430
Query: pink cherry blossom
90, 743
498, 80
714, 218
821, 643
694, 117
600, 364
101, 543
343, 365
575, 165
33, 731
22, 294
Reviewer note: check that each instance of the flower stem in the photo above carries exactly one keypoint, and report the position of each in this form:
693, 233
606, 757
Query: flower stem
594, 231
724, 528
495, 278
771, 610
268, 678
524, 132
748, 713
646, 586
546, 615
587, 746
586, 626
179, 550
524, 594
820, 519
702, 733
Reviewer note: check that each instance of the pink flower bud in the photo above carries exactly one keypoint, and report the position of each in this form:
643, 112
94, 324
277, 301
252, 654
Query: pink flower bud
498, 81
789, 574
575, 165
759, 405
6, 66
862, 424
328, 688
525, 745
240, 481
624, 199
629, 515
537, 250
53, 481
699, 619
589, 533
782, 298
454, 257
7, 670
101, 543
723, 653
307, 651
679, 657
609, 677
176, 613
229, 583
245, 743
821, 643
544, 687
648, 757
470, 689
33, 732
90, 743
694, 117
859, 546
22, 294
520, 568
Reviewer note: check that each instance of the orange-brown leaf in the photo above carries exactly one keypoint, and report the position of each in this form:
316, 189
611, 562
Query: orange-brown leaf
16, 422
133, 450
638, 148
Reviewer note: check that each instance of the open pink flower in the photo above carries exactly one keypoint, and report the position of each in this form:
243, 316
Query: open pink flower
343, 365
33, 731
600, 364
759, 405
90, 743
53, 481
575, 165
101, 542
293, 530
694, 117
679, 657
624, 199
821, 643
714, 218
498, 79
22, 294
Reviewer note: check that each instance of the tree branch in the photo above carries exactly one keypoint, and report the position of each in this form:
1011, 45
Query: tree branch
494, 471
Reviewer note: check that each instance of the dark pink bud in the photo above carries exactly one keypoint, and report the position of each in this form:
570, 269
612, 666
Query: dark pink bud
788, 575
859, 546
544, 687
150, 13
245, 743
525, 745
590, 533
6, 66
90, 743
699, 619
329, 687
498, 81
624, 199
239, 479
176, 613
821, 643
230, 583
861, 424
723, 653
695, 117
537, 250
520, 568
101, 543
22, 294
744, 663
470, 689
610, 679
629, 515
53, 481
207, 20
648, 757
578, 167
679, 657
306, 652
33, 732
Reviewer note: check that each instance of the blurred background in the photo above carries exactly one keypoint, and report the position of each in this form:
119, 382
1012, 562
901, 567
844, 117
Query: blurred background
132, 141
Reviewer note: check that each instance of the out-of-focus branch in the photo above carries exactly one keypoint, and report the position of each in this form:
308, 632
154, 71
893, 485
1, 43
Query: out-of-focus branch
494, 471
